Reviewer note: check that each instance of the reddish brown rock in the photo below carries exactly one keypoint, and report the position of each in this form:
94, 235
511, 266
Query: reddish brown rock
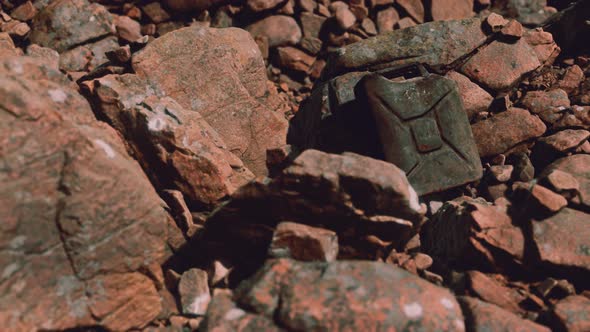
224, 315
312, 24
473, 232
279, 29
475, 99
24, 12
262, 5
491, 291
579, 167
303, 243
451, 9
563, 240
45, 54
127, 28
345, 18
196, 160
77, 210
194, 292
294, 59
387, 19
506, 130
155, 12
348, 295
562, 183
573, 77
562, 142
495, 22
546, 103
543, 44
7, 47
240, 106
406, 22
501, 173
198, 5
538, 198
499, 66
64, 24
513, 30
571, 314
414, 8
482, 316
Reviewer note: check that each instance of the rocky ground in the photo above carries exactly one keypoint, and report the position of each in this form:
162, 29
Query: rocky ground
210, 165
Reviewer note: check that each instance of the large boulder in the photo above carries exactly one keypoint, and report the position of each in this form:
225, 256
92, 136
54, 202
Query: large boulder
80, 221
355, 295
220, 74
178, 148
65, 24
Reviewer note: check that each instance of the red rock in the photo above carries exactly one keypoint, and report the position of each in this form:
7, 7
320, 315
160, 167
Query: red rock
311, 45
543, 44
571, 314
406, 22
387, 19
128, 28
376, 3
451, 9
499, 66
495, 22
294, 59
472, 232
573, 77
77, 59
579, 167
539, 198
505, 130
54, 24
544, 102
345, 18
513, 30
414, 8
240, 107
224, 315
7, 47
369, 27
311, 24
482, 316
24, 12
361, 296
475, 99
562, 183
563, 240
563, 141
77, 210
194, 292
45, 54
262, 5
155, 12
280, 30
491, 291
303, 243
501, 173
196, 159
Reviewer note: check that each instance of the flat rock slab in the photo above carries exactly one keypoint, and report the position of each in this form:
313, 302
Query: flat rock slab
219, 73
359, 295
434, 43
578, 166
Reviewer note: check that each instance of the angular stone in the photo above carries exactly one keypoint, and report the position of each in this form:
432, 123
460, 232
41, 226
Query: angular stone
513, 30
262, 5
492, 291
472, 232
345, 18
501, 173
546, 103
562, 183
197, 5
506, 130
563, 240
451, 9
240, 106
571, 314
24, 12
303, 243
340, 295
387, 19
573, 77
294, 59
543, 44
440, 43
500, 66
539, 198
7, 47
194, 292
64, 24
579, 167
196, 160
224, 315
562, 142
474, 98
128, 28
279, 29
495, 22
312, 24
414, 8
483, 316
45, 54
76, 209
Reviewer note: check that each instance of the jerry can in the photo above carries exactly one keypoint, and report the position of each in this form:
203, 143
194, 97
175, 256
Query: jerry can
422, 127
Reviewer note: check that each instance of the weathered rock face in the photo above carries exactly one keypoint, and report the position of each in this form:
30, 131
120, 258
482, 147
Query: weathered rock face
367, 295
506, 130
178, 148
571, 314
79, 217
579, 167
482, 316
239, 106
64, 24
356, 196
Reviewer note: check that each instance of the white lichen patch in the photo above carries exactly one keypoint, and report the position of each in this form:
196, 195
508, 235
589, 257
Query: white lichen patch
17, 68
447, 303
413, 310
57, 95
108, 150
459, 325
234, 314
157, 124
414, 202
9, 270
